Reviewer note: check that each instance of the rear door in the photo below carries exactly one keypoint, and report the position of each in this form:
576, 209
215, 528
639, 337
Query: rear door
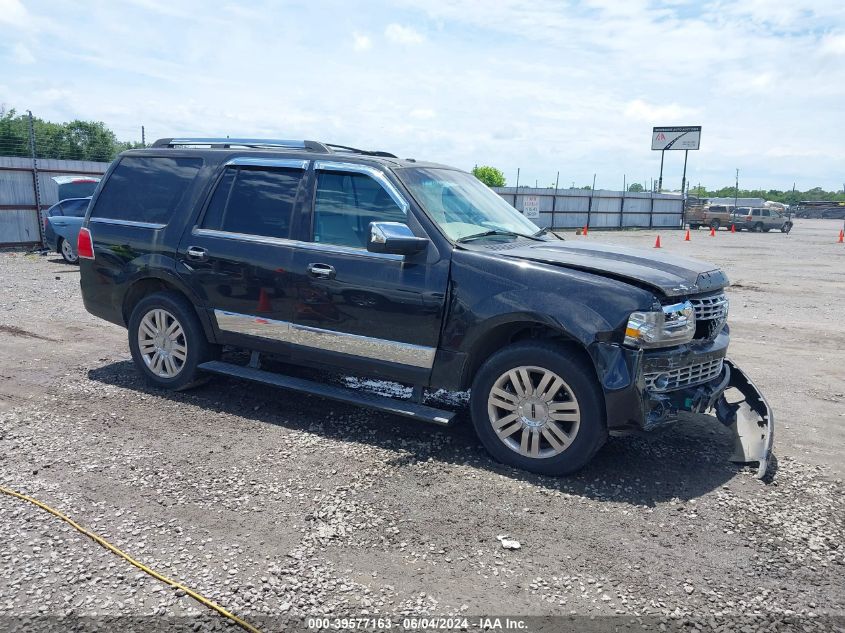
237, 256
375, 312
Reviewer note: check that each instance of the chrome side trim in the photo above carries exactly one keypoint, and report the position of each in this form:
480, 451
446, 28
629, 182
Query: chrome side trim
143, 225
289, 163
352, 344
372, 172
239, 141
329, 249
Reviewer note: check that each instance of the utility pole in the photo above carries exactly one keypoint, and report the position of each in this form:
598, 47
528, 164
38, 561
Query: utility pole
143, 137
35, 185
736, 190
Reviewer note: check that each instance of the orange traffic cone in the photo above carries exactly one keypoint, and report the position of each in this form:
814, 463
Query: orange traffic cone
686, 237
733, 228
264, 302
584, 232
712, 231
841, 236
657, 242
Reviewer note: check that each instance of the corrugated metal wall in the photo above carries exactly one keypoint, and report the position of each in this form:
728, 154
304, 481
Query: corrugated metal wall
19, 218
574, 208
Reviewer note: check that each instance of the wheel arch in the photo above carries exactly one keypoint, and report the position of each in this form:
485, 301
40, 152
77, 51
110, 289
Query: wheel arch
147, 285
504, 333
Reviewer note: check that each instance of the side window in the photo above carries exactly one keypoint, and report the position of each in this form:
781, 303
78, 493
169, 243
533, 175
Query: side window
345, 205
75, 208
146, 188
254, 201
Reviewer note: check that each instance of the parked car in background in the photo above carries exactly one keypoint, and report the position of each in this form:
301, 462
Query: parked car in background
761, 220
713, 216
62, 224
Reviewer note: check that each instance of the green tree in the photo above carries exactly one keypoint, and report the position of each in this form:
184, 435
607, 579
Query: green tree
636, 187
76, 140
490, 176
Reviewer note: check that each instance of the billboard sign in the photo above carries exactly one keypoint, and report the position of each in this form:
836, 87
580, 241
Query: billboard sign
688, 137
531, 206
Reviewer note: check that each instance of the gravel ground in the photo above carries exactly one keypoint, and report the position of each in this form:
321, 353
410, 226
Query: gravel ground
280, 506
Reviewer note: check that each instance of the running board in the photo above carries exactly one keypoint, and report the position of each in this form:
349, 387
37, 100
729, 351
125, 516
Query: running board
404, 408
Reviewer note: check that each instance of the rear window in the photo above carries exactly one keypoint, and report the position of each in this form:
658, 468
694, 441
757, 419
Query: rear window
146, 188
254, 201
75, 208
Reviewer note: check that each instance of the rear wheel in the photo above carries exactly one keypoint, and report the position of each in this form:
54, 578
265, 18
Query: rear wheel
695, 227
68, 252
758, 228
715, 225
538, 406
167, 341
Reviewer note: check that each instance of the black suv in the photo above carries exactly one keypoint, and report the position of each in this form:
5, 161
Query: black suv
356, 261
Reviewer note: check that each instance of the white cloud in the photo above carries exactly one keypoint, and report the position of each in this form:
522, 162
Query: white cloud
422, 114
13, 12
834, 44
22, 55
361, 42
668, 114
402, 34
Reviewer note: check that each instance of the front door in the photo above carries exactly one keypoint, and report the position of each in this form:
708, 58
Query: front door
376, 313
238, 255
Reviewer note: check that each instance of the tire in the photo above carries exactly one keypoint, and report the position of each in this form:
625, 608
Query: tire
67, 251
695, 227
758, 228
766, 229
579, 391
187, 346
715, 225
786, 228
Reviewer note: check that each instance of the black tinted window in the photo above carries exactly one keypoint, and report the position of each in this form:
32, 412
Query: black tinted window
255, 201
346, 204
75, 208
146, 188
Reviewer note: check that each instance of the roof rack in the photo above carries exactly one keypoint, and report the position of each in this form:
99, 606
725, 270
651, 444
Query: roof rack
261, 143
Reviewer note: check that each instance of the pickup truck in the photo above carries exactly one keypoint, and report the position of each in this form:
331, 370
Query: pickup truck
713, 216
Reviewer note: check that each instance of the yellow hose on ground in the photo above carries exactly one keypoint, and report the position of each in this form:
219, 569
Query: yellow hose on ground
99, 539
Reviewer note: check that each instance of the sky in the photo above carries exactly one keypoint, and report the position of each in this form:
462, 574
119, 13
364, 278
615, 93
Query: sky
539, 86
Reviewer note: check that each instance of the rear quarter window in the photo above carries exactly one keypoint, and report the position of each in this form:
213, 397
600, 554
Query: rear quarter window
146, 188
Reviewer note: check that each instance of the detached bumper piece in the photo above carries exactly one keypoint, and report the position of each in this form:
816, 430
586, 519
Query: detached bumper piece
750, 418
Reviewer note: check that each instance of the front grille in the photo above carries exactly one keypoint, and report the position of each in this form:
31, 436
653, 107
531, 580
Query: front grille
680, 377
709, 308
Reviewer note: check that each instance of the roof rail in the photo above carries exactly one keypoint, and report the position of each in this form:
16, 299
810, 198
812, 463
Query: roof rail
256, 143
355, 150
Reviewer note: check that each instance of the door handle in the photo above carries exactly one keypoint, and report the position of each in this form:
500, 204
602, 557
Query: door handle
197, 253
321, 271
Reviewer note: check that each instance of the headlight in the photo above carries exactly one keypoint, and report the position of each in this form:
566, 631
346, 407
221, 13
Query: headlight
673, 325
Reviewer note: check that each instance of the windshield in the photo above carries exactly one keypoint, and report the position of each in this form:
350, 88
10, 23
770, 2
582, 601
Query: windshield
462, 205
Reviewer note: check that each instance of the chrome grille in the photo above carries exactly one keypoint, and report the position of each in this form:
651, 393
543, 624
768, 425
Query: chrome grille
712, 307
680, 377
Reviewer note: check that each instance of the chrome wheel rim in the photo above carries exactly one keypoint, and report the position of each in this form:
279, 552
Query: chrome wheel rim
67, 251
162, 343
534, 412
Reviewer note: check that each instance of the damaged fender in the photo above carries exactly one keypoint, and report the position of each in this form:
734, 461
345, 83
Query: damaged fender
750, 418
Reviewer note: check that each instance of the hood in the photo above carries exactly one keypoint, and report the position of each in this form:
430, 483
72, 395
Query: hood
668, 274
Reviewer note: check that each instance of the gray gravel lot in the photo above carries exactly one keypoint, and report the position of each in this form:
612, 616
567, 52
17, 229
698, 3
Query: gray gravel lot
279, 505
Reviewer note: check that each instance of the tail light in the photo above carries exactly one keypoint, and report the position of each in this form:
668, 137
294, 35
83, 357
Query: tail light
748, 218
85, 244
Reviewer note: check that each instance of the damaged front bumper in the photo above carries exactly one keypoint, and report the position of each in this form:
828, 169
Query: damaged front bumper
737, 403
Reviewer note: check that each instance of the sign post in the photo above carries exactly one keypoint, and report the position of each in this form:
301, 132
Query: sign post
675, 138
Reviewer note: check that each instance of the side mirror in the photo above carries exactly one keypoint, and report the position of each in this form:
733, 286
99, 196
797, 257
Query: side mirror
394, 238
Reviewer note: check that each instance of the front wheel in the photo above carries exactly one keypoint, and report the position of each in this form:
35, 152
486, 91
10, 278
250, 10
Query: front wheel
167, 341
538, 406
758, 228
786, 228
68, 252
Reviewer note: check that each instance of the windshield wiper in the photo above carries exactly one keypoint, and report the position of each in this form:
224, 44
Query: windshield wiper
477, 236
545, 231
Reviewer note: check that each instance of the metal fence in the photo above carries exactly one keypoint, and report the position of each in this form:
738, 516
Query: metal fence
601, 209
27, 189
